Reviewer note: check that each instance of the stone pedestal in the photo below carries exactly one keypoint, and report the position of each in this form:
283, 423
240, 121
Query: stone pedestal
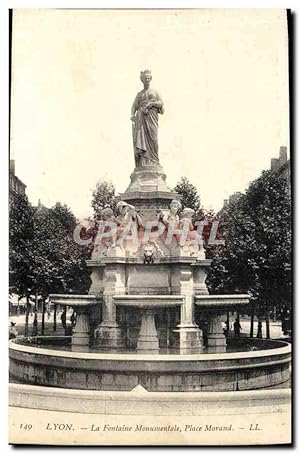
190, 335
147, 179
148, 191
148, 340
190, 339
216, 340
81, 335
108, 334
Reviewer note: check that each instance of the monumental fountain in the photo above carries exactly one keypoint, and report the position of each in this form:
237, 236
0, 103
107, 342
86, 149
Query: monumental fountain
148, 319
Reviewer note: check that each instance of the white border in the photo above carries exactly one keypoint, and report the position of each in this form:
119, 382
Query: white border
4, 5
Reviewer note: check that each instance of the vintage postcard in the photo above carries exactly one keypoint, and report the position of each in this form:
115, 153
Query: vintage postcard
150, 295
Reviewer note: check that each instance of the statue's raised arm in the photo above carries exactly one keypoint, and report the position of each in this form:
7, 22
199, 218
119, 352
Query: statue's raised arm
144, 116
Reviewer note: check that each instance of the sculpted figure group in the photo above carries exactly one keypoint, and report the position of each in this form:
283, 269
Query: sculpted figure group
127, 235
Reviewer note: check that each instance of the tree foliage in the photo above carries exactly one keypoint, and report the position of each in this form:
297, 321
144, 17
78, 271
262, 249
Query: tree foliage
256, 257
60, 266
21, 234
189, 194
44, 256
104, 195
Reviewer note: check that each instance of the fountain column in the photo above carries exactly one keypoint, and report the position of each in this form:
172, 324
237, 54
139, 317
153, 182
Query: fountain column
108, 334
190, 335
81, 304
148, 339
199, 277
216, 340
80, 336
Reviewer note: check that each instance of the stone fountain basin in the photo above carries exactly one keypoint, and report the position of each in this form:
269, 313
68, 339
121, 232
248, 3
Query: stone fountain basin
239, 371
149, 301
73, 300
222, 301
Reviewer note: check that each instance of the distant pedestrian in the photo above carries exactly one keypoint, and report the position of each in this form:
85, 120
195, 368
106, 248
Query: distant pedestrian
13, 331
237, 328
259, 329
63, 319
35, 324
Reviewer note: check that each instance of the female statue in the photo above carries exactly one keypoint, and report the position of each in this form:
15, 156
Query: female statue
144, 116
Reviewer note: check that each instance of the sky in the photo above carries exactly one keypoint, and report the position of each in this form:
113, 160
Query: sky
222, 74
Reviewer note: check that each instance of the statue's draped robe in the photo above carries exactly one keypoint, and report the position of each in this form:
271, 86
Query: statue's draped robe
145, 128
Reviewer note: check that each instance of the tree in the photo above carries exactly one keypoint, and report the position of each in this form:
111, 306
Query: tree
59, 261
257, 253
21, 234
229, 271
103, 197
189, 194
44, 258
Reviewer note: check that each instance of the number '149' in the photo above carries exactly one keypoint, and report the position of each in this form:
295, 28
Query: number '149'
26, 426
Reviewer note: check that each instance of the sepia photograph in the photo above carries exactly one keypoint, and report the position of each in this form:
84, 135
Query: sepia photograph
150, 227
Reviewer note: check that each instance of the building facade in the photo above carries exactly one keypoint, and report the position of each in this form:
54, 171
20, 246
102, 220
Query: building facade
282, 166
16, 186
